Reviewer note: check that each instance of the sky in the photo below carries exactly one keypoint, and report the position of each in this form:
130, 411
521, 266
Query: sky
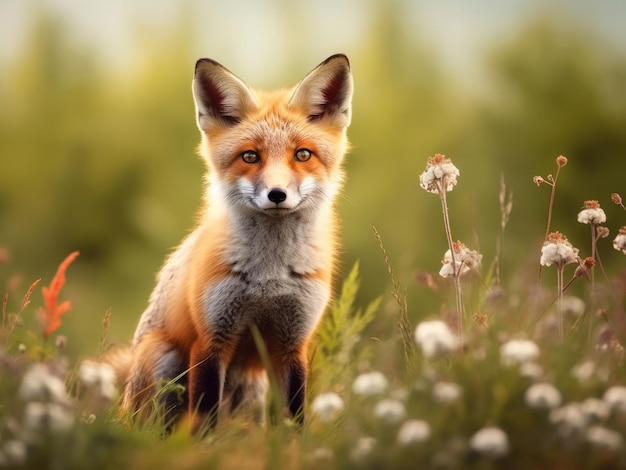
251, 33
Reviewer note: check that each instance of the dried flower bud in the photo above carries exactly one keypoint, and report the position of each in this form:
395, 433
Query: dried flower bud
616, 198
538, 180
602, 231
561, 161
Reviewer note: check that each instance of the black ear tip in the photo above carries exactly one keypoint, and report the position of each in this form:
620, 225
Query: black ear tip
338, 57
204, 62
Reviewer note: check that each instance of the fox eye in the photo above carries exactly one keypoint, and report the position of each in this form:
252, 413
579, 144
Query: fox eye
250, 156
302, 155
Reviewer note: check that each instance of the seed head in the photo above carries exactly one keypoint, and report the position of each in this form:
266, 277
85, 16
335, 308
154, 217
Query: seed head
561, 161
440, 174
620, 240
558, 250
592, 213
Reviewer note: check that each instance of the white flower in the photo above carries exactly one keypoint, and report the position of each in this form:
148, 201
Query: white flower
390, 411
518, 351
616, 398
570, 420
542, 396
39, 384
435, 338
584, 371
363, 447
48, 416
447, 392
620, 240
530, 370
464, 259
558, 250
14, 451
572, 305
592, 213
595, 410
328, 406
370, 383
322, 454
99, 377
605, 439
440, 172
491, 442
413, 431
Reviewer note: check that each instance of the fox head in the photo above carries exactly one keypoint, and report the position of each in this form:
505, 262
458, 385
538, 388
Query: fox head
277, 152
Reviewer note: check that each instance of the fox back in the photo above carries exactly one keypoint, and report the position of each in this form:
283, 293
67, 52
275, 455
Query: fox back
257, 269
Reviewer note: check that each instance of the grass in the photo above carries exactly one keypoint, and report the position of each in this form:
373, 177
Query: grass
509, 390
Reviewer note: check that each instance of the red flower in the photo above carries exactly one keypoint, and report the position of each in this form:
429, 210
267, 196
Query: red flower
51, 314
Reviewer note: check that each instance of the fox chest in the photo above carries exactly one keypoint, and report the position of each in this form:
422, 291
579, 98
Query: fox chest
287, 308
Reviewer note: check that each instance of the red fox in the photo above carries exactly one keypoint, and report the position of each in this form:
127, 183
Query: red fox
262, 255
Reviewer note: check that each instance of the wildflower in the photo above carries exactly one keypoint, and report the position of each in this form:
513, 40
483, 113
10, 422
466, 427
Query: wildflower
542, 396
370, 383
440, 175
435, 338
413, 431
595, 410
14, 452
39, 384
48, 416
605, 440
328, 406
490, 442
584, 371
464, 259
518, 351
530, 370
570, 420
51, 315
558, 250
363, 447
617, 199
538, 180
616, 398
572, 305
561, 161
322, 454
389, 410
447, 392
98, 377
592, 213
620, 240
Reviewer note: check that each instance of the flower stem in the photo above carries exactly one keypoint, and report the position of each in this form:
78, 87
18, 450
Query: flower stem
457, 270
593, 253
559, 299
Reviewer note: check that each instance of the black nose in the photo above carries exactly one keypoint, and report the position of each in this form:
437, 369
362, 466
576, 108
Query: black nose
277, 195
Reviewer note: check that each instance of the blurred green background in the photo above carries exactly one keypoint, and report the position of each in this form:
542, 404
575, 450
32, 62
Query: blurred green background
97, 132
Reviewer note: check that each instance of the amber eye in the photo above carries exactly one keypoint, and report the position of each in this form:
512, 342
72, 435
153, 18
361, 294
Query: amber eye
249, 156
302, 155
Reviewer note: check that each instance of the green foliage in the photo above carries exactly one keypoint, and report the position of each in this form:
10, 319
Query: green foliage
340, 340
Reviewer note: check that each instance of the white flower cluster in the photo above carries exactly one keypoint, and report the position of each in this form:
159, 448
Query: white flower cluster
435, 338
412, 432
518, 351
99, 378
464, 259
620, 240
491, 442
558, 250
370, 383
328, 406
542, 396
440, 174
592, 214
48, 407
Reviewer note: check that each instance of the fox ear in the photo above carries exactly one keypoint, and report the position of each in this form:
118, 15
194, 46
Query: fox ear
326, 92
220, 97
